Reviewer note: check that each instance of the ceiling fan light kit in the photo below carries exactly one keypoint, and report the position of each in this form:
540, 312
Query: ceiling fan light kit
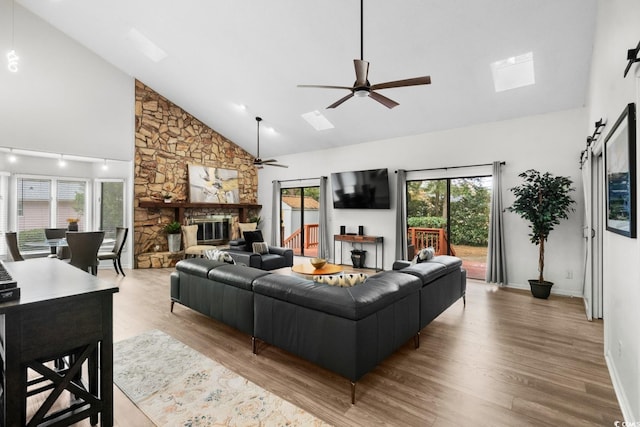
362, 88
258, 162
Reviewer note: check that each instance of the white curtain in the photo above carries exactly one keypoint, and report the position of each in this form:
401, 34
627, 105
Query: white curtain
401, 214
496, 253
275, 214
323, 238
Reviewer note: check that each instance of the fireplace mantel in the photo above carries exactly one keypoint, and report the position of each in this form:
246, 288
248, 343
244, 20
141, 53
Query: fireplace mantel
180, 207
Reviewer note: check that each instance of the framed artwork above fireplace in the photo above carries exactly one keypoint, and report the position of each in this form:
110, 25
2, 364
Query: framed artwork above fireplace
213, 185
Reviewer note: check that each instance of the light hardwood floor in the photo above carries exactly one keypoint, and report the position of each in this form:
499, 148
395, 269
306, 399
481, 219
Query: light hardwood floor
506, 359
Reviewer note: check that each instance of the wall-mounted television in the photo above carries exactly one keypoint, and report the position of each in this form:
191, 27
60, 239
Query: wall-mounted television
367, 189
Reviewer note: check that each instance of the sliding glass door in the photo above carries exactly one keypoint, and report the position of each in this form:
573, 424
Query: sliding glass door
300, 217
452, 216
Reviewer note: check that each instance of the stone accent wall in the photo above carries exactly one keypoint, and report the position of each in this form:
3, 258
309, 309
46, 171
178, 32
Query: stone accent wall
168, 138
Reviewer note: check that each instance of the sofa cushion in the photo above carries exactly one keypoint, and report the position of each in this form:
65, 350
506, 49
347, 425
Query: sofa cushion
451, 263
427, 272
239, 276
352, 303
260, 248
252, 236
342, 280
199, 267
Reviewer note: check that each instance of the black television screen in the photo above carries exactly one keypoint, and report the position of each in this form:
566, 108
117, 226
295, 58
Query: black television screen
368, 189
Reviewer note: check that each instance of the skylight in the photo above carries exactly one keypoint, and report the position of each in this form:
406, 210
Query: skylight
514, 72
317, 120
146, 46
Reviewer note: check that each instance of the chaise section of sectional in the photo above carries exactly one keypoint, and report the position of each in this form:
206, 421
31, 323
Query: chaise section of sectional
443, 280
216, 289
346, 330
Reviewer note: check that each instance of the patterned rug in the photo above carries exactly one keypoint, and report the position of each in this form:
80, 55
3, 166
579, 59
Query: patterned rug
175, 385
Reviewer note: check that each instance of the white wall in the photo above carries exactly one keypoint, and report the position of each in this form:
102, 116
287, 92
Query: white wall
618, 29
64, 98
550, 142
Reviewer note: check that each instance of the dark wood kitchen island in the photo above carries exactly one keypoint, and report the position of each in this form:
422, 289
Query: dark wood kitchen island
63, 318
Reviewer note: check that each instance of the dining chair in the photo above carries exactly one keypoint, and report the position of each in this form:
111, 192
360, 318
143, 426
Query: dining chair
116, 252
12, 243
190, 241
57, 251
84, 246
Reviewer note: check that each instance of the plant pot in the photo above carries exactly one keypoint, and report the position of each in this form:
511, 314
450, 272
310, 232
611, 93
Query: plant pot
540, 290
174, 241
73, 226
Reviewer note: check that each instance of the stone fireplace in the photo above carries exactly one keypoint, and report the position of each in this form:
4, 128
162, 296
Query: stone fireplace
167, 139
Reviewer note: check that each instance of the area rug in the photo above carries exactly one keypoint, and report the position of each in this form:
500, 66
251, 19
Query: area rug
174, 385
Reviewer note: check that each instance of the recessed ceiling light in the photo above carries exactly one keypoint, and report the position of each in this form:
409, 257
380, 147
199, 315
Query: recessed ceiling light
146, 46
513, 72
317, 120
240, 107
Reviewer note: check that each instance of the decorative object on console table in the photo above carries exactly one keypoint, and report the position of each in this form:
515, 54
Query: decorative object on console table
543, 200
361, 230
168, 198
173, 236
343, 230
358, 258
73, 224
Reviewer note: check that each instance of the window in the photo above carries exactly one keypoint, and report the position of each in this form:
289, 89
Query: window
70, 203
110, 206
47, 202
300, 217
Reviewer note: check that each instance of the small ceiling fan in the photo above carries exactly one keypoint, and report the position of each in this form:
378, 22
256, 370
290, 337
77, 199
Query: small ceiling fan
361, 87
258, 162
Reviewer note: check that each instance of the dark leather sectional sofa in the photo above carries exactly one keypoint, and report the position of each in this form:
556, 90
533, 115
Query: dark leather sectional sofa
346, 330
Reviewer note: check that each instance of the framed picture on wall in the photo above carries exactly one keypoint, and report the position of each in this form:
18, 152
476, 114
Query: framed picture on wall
620, 174
213, 185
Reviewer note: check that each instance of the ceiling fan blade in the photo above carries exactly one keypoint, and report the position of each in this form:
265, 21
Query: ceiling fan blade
340, 101
401, 83
276, 164
327, 87
389, 103
362, 72
268, 161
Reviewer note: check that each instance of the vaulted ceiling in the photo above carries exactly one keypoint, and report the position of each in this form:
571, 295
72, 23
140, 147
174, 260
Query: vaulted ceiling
226, 53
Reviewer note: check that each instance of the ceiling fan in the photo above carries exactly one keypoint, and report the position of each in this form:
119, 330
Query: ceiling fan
361, 87
258, 162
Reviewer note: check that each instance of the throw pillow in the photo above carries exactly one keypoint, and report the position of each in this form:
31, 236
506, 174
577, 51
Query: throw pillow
247, 226
260, 248
252, 236
424, 255
218, 255
341, 280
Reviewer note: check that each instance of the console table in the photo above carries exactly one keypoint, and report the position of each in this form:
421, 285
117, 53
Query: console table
354, 238
63, 313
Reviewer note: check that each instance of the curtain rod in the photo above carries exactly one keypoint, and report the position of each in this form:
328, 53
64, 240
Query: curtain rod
451, 167
298, 179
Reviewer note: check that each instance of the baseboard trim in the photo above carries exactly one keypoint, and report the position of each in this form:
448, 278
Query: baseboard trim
625, 407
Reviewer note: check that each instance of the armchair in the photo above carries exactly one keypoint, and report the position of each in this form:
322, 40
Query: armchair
273, 257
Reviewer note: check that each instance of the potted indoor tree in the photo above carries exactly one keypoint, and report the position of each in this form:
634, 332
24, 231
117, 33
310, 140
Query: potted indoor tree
173, 236
543, 200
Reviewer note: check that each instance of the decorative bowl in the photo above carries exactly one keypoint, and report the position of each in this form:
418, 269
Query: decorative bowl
318, 262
